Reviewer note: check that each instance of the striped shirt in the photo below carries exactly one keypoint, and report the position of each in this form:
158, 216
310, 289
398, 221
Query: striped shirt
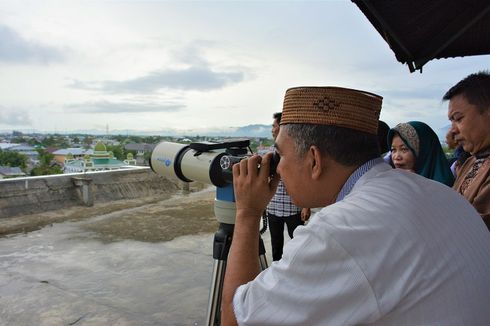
281, 205
356, 175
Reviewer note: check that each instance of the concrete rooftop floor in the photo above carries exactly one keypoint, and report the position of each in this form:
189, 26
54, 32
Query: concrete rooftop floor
68, 274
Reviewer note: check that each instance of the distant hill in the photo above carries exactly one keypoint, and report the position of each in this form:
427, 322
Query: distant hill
251, 131
263, 131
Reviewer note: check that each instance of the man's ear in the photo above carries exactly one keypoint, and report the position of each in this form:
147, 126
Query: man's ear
317, 162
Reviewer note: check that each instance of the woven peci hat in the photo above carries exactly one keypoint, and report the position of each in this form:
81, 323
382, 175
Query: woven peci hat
336, 106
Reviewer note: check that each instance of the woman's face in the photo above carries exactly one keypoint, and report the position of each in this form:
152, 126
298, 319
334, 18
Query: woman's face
401, 155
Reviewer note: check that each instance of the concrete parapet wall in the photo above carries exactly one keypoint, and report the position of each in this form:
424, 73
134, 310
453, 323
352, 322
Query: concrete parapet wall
21, 196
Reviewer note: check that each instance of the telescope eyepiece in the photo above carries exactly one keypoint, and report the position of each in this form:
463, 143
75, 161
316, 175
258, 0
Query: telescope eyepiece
227, 162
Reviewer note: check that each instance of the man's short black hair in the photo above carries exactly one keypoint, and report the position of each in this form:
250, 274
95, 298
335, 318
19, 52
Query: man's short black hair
475, 88
277, 116
346, 146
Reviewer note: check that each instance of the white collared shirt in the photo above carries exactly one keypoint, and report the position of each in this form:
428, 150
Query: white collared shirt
399, 249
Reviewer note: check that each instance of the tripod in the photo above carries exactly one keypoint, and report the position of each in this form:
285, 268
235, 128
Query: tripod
224, 210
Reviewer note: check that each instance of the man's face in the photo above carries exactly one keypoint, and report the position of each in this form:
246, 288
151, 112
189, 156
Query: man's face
470, 127
291, 168
275, 129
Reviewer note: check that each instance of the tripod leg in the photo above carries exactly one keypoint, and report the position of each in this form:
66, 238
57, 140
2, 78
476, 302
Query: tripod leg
221, 248
262, 257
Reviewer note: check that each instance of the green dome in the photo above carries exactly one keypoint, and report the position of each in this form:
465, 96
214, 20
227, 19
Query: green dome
130, 156
100, 147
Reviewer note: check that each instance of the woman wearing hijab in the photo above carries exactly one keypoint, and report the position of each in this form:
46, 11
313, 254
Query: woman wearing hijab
416, 147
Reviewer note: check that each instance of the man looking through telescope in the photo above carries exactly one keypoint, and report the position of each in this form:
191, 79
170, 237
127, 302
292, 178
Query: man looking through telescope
388, 248
281, 209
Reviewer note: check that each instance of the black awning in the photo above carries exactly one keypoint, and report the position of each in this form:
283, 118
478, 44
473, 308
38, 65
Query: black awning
421, 30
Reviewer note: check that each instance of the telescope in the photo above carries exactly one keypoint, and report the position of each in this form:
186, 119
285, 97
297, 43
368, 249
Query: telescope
207, 162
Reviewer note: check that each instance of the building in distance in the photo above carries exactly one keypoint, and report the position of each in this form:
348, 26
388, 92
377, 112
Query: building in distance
99, 160
11, 172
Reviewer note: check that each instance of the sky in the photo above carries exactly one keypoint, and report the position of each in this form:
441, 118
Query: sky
198, 65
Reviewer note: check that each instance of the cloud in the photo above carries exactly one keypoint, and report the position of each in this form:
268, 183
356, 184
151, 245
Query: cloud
123, 107
193, 53
17, 118
192, 78
430, 92
14, 48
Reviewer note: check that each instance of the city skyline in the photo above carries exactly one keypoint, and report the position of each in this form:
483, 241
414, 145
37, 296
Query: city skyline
198, 65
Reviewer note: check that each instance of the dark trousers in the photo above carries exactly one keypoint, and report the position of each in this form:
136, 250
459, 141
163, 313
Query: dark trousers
276, 227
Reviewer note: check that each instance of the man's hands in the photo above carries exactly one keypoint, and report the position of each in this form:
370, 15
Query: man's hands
253, 191
253, 186
305, 214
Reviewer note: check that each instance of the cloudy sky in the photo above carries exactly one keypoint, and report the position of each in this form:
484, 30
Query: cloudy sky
153, 65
